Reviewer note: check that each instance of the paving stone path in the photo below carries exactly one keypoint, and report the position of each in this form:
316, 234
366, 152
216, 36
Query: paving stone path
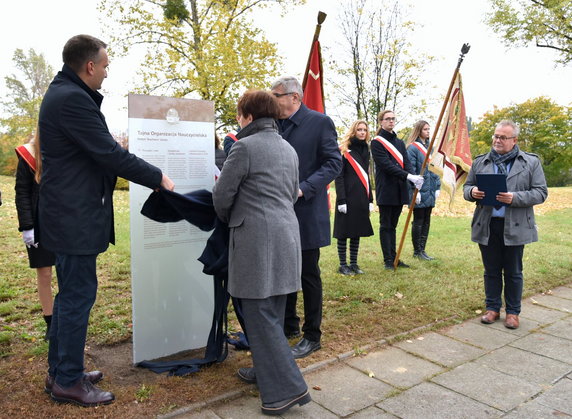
469, 370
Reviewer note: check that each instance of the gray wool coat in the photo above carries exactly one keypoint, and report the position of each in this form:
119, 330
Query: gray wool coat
527, 183
255, 195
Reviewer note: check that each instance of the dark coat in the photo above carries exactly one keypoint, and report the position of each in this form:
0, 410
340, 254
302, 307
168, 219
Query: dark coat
350, 191
313, 136
391, 185
431, 181
80, 163
27, 192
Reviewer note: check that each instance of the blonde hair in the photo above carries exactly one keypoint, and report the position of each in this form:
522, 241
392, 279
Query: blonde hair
345, 143
415, 134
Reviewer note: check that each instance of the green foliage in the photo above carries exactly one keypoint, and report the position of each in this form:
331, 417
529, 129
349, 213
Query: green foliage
209, 50
21, 104
545, 129
548, 23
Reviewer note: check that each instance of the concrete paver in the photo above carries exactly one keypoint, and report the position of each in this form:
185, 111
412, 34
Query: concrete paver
496, 372
559, 397
525, 365
488, 386
344, 390
479, 335
396, 367
540, 314
547, 345
441, 349
428, 400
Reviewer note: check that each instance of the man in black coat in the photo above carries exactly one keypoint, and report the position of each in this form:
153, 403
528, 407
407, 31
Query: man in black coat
313, 136
392, 171
80, 163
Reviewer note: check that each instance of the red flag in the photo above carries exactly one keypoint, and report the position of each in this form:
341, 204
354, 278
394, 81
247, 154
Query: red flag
313, 87
451, 159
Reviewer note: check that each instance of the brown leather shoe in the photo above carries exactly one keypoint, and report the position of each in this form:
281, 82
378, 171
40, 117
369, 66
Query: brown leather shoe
511, 321
83, 393
490, 317
92, 376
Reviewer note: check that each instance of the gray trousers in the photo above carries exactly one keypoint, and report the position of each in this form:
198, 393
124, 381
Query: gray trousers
277, 374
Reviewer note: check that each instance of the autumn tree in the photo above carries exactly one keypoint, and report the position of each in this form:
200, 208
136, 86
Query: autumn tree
545, 129
375, 65
547, 23
21, 103
206, 49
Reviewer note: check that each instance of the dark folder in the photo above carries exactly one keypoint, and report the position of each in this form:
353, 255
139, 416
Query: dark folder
491, 184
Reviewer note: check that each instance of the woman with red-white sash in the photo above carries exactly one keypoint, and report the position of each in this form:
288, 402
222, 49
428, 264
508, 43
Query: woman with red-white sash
417, 144
354, 198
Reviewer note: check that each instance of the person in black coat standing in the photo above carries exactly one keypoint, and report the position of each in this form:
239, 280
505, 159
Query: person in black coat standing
27, 188
81, 162
392, 171
354, 197
313, 136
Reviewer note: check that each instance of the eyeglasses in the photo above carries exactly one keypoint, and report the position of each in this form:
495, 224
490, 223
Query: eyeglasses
501, 137
390, 119
283, 94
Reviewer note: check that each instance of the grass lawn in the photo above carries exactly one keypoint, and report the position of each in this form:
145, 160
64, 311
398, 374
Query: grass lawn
357, 310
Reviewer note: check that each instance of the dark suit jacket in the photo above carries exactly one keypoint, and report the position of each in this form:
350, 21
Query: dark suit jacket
313, 136
80, 163
390, 178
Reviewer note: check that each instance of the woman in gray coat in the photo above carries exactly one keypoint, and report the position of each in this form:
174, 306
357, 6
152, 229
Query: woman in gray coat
255, 195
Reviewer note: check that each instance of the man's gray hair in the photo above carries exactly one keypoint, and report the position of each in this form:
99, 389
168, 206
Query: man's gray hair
508, 122
290, 85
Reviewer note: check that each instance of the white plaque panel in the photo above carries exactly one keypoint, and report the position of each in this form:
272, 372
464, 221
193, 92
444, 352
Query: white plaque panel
172, 299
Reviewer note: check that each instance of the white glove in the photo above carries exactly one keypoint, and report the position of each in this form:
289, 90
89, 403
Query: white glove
371, 207
437, 193
416, 180
28, 237
418, 199
343, 208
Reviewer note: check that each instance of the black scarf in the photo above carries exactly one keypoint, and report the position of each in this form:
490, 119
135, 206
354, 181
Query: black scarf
501, 160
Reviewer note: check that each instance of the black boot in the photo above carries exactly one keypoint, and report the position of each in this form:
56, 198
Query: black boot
48, 320
423, 240
416, 239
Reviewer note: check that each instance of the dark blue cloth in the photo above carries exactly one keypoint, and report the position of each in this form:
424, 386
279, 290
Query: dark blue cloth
197, 208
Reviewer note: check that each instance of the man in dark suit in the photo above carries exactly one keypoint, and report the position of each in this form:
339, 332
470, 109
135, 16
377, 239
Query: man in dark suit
392, 171
80, 163
313, 136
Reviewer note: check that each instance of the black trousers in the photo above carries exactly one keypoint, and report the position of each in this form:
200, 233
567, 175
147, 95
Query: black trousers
312, 293
499, 259
388, 219
77, 284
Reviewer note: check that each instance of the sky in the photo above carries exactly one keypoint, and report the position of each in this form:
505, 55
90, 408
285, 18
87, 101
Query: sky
492, 74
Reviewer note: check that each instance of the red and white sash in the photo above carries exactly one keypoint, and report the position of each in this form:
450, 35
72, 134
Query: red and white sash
232, 137
420, 147
26, 151
362, 174
391, 150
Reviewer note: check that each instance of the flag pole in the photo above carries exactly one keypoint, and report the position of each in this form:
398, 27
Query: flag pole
321, 19
464, 50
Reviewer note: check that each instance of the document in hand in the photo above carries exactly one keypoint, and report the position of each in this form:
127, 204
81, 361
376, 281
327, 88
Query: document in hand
491, 184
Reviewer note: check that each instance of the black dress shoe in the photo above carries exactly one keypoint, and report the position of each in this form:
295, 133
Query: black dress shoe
401, 264
356, 269
292, 335
247, 375
426, 256
277, 408
388, 267
83, 393
92, 376
345, 270
304, 348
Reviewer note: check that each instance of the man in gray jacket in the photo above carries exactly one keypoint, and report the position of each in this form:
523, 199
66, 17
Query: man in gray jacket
502, 231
